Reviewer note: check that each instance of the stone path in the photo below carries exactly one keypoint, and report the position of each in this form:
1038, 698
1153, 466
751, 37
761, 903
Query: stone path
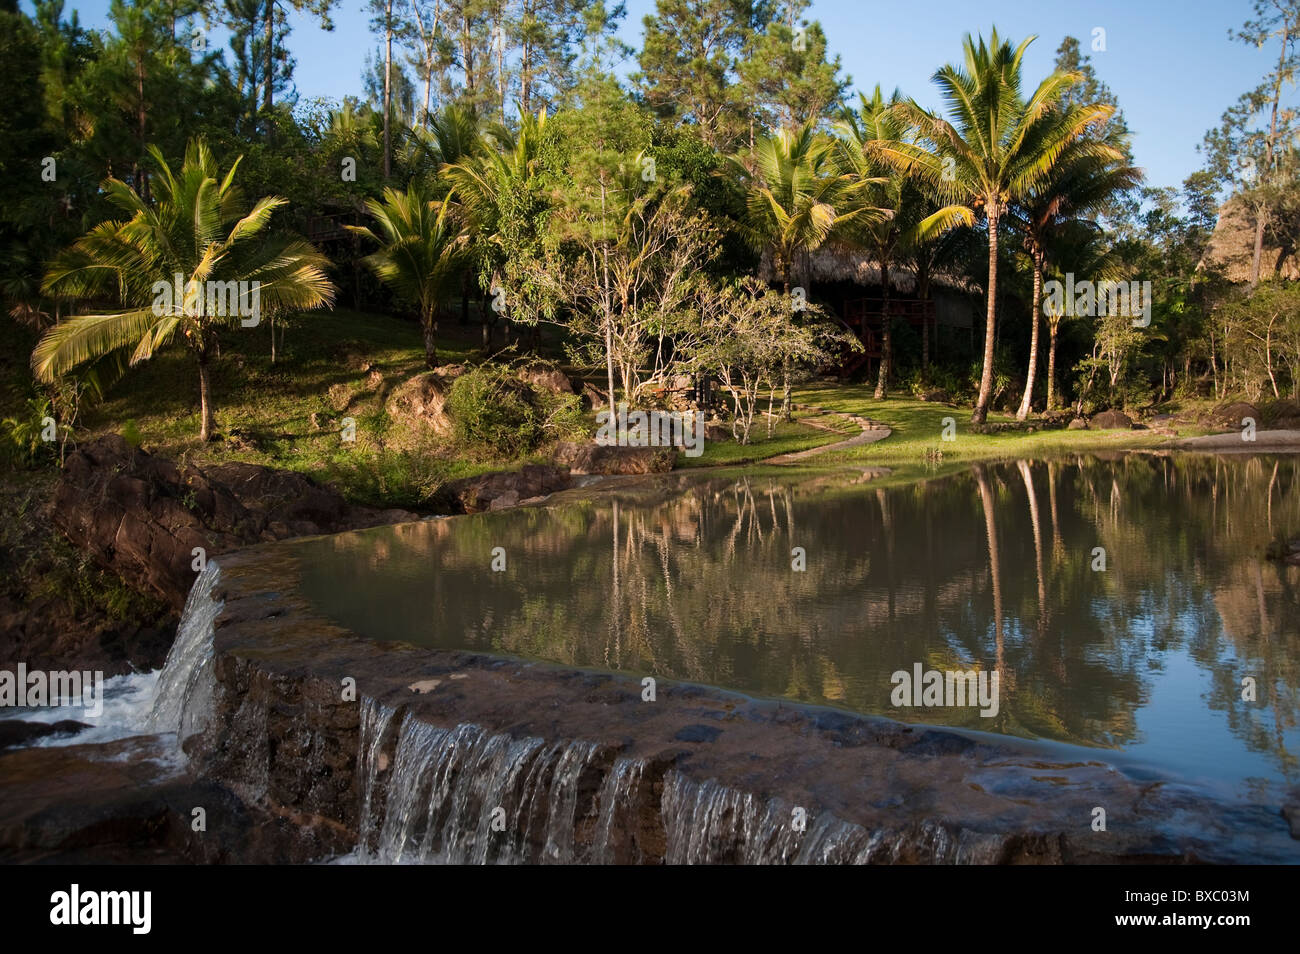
872, 431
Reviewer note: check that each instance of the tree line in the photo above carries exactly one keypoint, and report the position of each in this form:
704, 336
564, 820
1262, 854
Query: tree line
495, 154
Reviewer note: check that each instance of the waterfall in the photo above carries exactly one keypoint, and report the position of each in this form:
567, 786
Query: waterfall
468, 796
707, 823
183, 696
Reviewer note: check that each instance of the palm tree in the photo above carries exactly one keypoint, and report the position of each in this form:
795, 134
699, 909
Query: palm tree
998, 147
422, 247
196, 237
487, 180
1086, 176
797, 196
885, 187
452, 135
1078, 247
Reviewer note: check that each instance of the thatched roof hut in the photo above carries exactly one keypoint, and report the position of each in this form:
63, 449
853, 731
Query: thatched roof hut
838, 262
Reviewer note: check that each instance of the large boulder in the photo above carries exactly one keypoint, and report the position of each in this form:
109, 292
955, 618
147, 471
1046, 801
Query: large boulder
593, 398
142, 516
545, 378
1112, 420
1232, 414
419, 405
610, 459
497, 491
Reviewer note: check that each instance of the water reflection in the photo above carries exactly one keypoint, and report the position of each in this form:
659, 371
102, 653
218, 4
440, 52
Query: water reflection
989, 569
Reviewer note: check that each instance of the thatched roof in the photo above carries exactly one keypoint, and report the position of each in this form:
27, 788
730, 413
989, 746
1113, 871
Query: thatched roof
840, 262
1232, 247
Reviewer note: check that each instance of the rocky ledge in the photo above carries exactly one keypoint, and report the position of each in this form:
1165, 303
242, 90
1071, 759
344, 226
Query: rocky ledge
697, 774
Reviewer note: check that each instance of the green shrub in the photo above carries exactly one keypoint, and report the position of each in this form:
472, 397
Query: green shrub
492, 409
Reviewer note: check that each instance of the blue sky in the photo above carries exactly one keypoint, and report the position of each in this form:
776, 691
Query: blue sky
1170, 62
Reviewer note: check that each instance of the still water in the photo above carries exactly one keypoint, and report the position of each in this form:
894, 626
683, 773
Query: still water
1122, 601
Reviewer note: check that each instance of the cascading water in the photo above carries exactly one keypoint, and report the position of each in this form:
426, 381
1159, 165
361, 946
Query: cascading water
710, 824
465, 795
175, 699
183, 695
468, 796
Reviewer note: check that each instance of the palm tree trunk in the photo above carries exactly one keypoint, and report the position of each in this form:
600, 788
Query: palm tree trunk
1027, 401
990, 322
995, 569
1052, 327
923, 293
430, 328
886, 339
207, 425
786, 412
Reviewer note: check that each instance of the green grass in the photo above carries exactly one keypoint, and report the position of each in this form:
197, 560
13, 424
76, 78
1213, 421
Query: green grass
786, 439
916, 447
264, 410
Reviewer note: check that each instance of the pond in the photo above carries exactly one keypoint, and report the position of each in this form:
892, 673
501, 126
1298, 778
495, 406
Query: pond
1124, 603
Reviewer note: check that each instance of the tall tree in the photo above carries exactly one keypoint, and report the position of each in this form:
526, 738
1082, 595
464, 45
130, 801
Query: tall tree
198, 228
786, 74
421, 243
887, 188
998, 146
798, 194
1088, 174
688, 64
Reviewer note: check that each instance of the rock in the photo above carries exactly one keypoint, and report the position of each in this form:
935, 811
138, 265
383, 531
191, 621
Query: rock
592, 397
1112, 420
497, 491
449, 372
714, 431
117, 802
544, 378
419, 404
1231, 415
937, 396
339, 396
1078, 424
141, 516
606, 459
15, 732
1281, 415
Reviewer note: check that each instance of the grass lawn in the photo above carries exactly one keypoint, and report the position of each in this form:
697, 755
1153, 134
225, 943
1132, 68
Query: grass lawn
337, 364
786, 438
916, 447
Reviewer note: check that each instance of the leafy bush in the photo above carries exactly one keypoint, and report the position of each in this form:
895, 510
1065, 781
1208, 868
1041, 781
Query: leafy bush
23, 439
492, 409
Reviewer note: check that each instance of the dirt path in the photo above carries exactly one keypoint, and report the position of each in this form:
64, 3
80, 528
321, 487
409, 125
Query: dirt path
872, 431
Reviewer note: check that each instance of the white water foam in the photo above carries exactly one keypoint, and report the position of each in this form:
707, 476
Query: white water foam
175, 699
